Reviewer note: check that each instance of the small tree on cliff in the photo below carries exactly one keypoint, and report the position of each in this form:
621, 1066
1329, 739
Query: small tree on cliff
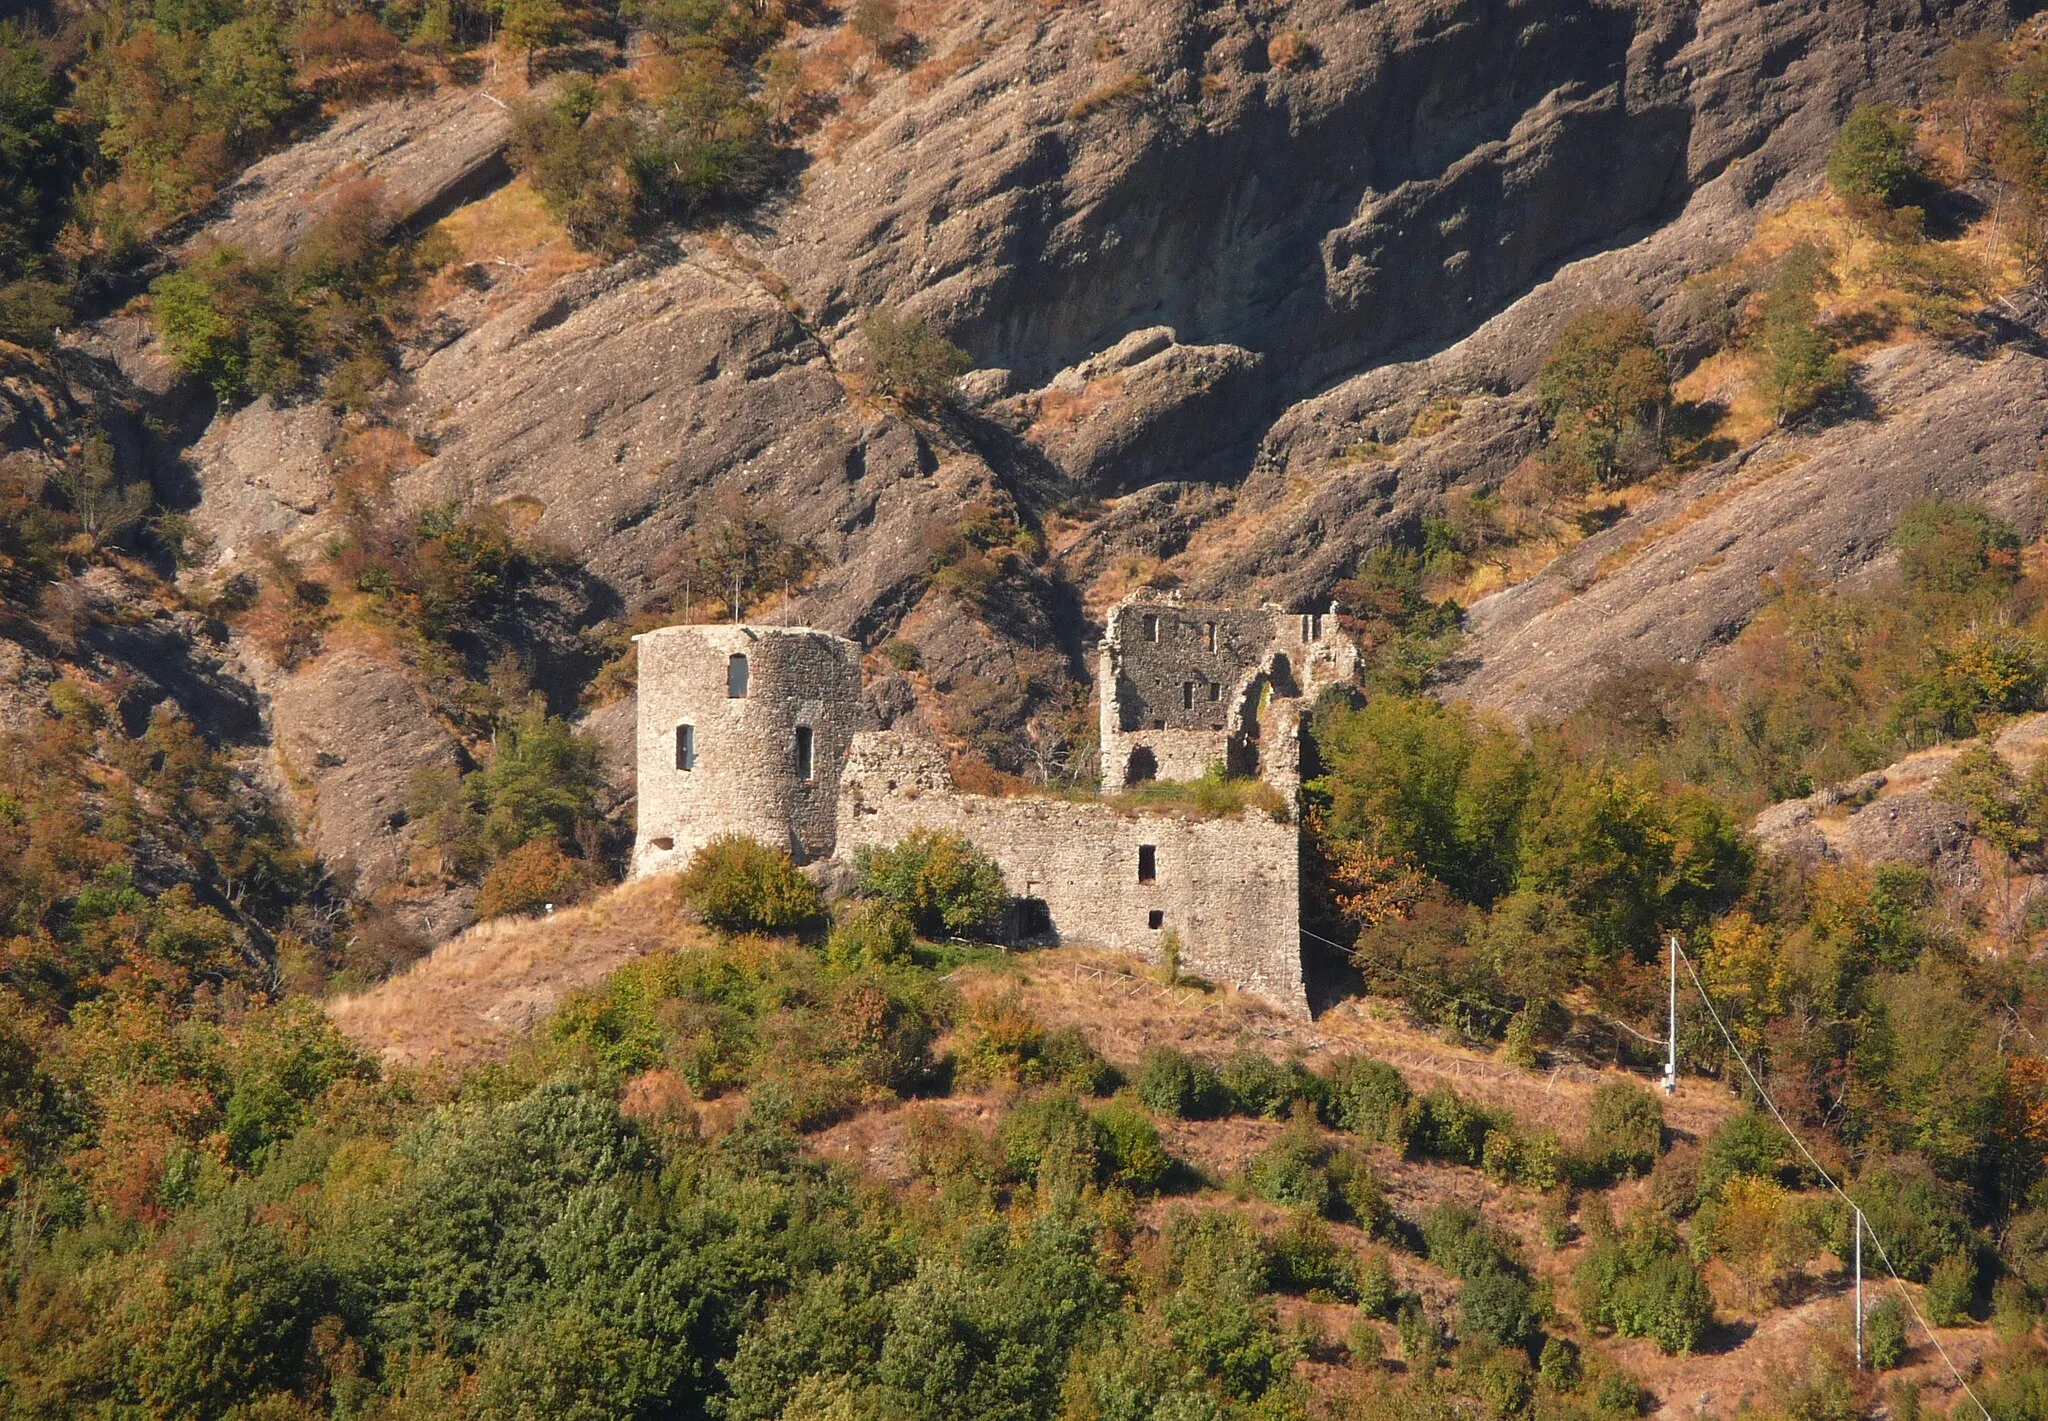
1606, 389
1873, 159
909, 359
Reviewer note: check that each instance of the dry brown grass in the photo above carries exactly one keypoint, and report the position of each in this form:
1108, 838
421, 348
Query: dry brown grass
512, 234
1120, 1005
476, 995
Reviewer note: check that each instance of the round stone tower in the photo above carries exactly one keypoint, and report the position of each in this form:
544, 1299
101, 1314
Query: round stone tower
743, 730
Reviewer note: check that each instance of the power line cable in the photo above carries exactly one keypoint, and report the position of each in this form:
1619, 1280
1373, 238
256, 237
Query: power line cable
1883, 1256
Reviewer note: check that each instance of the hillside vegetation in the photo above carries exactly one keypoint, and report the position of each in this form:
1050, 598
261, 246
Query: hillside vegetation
325, 520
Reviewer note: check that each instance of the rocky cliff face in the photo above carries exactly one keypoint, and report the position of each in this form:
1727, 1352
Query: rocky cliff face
1197, 253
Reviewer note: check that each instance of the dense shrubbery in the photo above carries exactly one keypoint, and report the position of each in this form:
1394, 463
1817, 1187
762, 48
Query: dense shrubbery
607, 160
541, 786
909, 359
938, 879
741, 885
261, 326
1637, 1281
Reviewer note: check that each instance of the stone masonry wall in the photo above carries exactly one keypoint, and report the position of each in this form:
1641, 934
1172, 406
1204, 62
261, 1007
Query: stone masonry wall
1162, 660
745, 778
1230, 889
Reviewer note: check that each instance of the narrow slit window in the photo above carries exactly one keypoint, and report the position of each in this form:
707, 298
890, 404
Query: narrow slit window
803, 752
1155, 919
1215, 690
1209, 634
1187, 695
736, 677
1305, 637
686, 747
1148, 863
1151, 628
1315, 627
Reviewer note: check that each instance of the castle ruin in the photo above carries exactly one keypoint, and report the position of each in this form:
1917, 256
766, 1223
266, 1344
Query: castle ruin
757, 730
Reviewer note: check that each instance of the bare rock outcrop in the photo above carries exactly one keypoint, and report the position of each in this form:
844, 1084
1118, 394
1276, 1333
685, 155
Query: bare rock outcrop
1683, 575
1898, 816
350, 739
421, 155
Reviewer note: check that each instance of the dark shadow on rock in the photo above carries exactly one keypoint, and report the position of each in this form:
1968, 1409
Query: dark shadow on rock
223, 709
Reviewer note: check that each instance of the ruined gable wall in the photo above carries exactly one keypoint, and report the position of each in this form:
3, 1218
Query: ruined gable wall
745, 778
1157, 669
1229, 888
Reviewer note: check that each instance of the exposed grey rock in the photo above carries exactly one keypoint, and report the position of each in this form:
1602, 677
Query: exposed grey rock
1683, 575
263, 471
351, 735
421, 155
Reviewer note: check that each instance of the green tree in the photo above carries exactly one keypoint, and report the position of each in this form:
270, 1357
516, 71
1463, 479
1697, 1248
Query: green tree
1624, 1130
1798, 366
938, 878
103, 503
1606, 389
1873, 158
741, 885
543, 782
531, 25
909, 358
1952, 548
245, 83
231, 322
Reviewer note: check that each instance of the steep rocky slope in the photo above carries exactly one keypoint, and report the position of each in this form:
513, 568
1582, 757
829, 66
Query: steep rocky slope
1198, 253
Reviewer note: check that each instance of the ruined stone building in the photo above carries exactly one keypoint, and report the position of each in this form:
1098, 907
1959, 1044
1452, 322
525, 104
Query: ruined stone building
757, 730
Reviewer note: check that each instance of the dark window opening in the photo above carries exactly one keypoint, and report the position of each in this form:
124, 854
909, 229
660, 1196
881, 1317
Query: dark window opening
1215, 690
1151, 628
1155, 919
1148, 863
803, 752
1142, 766
1305, 637
686, 747
664, 843
1187, 695
736, 677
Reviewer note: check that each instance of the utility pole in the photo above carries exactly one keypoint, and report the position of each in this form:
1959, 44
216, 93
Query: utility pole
1859, 1287
1671, 1026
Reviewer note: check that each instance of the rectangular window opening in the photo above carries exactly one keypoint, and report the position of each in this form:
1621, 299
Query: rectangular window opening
803, 752
736, 677
1155, 919
1187, 695
686, 747
1209, 634
1215, 690
1305, 638
1151, 628
1148, 863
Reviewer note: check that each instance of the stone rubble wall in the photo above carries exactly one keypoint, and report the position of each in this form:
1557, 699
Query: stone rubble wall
1264, 660
1229, 889
745, 778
